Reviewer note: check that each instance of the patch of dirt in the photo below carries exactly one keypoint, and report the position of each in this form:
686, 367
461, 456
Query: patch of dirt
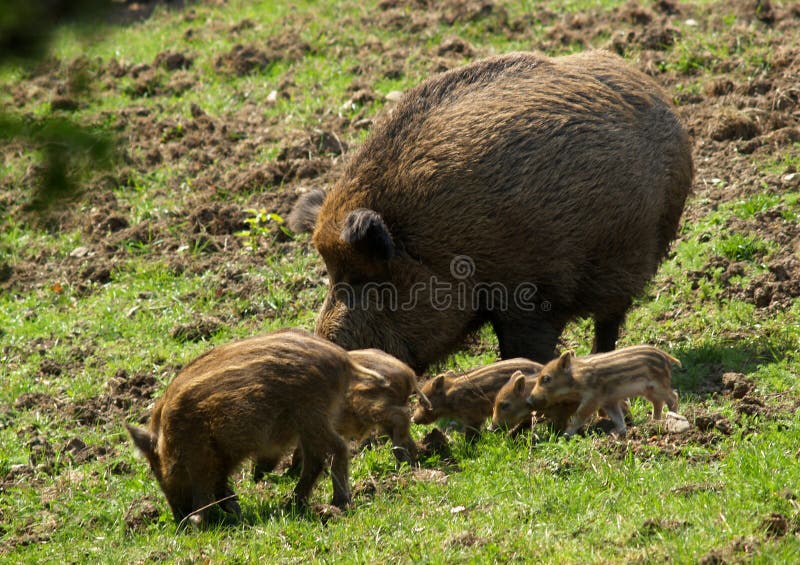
245, 59
465, 539
739, 550
198, 330
435, 444
391, 484
141, 513
655, 527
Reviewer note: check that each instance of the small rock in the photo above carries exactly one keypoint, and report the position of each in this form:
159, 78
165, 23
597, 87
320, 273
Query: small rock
792, 180
677, 424
394, 96
430, 476
272, 97
79, 252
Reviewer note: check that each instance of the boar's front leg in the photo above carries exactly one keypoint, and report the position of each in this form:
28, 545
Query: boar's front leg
228, 500
527, 337
606, 332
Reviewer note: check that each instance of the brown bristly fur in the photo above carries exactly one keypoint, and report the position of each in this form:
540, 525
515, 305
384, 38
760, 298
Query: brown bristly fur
469, 397
377, 399
568, 173
604, 381
511, 408
252, 398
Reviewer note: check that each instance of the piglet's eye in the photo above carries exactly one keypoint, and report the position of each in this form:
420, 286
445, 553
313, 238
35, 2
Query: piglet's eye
505, 405
546, 379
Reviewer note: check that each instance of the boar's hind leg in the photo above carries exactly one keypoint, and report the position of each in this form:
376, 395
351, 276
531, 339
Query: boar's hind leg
316, 444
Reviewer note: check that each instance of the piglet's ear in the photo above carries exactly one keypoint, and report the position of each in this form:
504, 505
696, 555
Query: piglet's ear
438, 383
519, 382
565, 361
367, 232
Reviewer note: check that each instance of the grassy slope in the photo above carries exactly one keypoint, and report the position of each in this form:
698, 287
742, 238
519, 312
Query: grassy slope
586, 500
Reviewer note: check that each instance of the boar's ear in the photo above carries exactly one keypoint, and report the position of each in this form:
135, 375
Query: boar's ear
519, 382
565, 361
144, 440
438, 383
305, 211
367, 232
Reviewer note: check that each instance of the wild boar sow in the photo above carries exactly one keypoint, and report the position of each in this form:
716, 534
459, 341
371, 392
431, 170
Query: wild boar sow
250, 398
519, 190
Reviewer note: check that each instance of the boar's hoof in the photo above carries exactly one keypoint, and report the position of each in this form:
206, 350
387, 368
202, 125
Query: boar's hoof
342, 501
231, 506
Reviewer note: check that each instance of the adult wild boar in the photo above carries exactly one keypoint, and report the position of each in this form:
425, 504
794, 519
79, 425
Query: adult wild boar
519, 190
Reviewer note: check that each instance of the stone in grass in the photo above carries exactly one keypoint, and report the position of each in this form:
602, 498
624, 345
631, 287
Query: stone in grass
676, 424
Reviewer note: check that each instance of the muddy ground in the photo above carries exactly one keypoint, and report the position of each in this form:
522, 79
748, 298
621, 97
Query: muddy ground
742, 114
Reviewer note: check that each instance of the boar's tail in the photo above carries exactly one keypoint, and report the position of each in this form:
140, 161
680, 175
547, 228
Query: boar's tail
304, 214
424, 400
369, 373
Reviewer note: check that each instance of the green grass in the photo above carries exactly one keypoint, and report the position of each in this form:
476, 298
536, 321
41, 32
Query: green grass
532, 498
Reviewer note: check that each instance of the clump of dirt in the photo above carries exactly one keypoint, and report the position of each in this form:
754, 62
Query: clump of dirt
776, 525
245, 59
656, 526
435, 444
465, 539
141, 513
197, 330
731, 124
124, 392
173, 60
218, 219
735, 550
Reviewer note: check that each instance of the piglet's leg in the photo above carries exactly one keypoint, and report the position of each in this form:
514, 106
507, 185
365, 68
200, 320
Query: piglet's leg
614, 411
583, 413
397, 426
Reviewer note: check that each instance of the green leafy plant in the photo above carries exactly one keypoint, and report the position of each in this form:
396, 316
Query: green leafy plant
260, 223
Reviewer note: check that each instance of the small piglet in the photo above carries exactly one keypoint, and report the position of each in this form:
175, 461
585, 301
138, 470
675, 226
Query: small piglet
371, 403
511, 409
469, 398
249, 399
606, 380
383, 404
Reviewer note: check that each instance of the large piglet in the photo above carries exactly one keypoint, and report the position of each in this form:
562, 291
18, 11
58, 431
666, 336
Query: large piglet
253, 398
520, 190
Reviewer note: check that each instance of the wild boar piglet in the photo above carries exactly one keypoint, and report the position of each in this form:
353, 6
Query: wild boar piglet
606, 380
469, 398
252, 398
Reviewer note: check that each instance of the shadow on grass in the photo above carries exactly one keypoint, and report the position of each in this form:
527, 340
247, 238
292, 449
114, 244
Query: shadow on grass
703, 366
